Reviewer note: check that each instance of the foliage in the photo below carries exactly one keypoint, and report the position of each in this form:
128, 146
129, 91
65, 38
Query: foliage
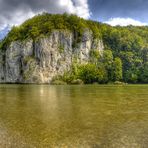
43, 24
117, 69
89, 73
125, 57
61, 48
94, 55
144, 74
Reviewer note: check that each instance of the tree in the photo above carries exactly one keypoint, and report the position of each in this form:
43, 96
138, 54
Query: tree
94, 56
131, 76
108, 63
34, 32
107, 58
144, 73
117, 69
90, 73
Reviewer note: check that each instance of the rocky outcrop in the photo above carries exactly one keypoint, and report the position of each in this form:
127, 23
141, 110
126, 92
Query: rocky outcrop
39, 61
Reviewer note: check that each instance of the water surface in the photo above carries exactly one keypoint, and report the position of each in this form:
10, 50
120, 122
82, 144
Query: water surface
73, 116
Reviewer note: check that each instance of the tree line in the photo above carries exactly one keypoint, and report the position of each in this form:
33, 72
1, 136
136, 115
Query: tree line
125, 56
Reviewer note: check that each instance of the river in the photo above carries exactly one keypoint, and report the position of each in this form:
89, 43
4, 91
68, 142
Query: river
89, 116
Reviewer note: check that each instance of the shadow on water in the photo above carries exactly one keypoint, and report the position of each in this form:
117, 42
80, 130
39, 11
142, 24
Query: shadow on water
74, 116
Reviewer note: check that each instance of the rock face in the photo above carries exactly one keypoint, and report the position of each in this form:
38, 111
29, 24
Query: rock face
39, 61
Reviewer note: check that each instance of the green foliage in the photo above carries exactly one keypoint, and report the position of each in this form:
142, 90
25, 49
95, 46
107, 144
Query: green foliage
108, 58
94, 53
90, 73
126, 48
117, 69
87, 73
44, 24
107, 61
144, 73
131, 76
61, 48
34, 32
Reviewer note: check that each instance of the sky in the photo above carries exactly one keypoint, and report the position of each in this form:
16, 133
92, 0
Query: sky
113, 12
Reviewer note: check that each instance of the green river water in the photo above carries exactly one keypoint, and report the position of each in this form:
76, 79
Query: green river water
95, 116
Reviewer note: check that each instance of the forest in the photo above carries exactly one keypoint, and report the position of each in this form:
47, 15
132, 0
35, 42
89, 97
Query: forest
125, 57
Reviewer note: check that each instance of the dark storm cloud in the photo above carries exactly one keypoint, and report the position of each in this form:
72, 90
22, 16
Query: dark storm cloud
105, 9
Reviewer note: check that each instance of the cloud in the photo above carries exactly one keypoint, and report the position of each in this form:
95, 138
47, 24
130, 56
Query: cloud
14, 12
124, 22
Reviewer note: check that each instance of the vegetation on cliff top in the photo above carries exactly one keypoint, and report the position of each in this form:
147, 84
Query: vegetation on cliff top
43, 24
126, 48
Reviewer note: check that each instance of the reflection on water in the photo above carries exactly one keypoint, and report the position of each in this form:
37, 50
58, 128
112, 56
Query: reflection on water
74, 116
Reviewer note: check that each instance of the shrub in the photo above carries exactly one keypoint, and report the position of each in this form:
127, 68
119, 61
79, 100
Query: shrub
90, 73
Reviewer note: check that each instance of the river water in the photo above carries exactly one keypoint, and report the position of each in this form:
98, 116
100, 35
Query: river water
91, 116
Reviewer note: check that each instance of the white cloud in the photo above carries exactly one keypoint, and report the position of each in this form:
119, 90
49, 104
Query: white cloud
82, 8
79, 7
124, 22
26, 9
20, 17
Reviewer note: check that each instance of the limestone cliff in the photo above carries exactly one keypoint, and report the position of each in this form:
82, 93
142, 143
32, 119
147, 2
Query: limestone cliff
40, 60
